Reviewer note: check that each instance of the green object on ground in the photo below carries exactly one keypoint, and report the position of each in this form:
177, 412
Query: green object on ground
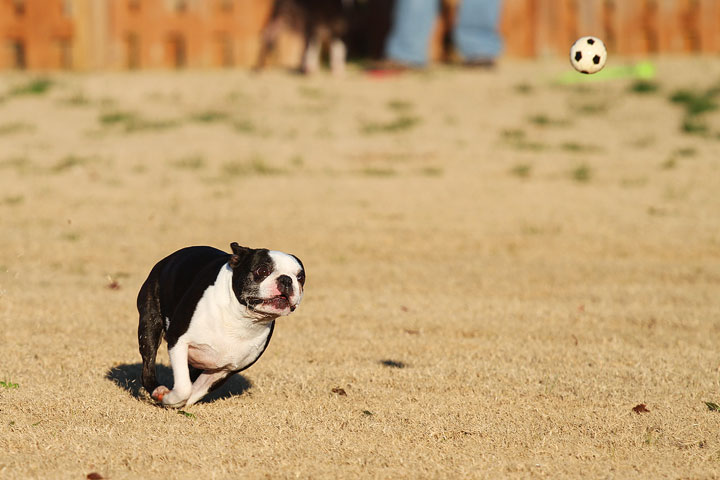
642, 70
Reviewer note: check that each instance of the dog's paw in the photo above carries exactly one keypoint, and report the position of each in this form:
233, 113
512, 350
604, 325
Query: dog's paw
159, 393
168, 398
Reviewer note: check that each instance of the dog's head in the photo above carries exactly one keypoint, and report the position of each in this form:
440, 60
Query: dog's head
267, 282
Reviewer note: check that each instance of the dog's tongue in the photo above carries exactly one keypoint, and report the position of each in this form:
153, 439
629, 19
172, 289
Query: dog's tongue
280, 302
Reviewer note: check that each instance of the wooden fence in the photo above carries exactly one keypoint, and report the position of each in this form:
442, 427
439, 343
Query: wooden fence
118, 34
628, 27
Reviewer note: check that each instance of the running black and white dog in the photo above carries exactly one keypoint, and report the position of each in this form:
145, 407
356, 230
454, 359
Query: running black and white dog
217, 312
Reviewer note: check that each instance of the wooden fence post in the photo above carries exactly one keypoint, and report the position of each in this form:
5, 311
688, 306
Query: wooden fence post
518, 23
709, 26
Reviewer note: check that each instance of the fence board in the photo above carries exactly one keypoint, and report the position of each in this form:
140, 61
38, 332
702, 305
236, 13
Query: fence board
709, 26
517, 26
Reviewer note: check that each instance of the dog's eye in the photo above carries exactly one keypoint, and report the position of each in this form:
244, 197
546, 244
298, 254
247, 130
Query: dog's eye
301, 278
261, 272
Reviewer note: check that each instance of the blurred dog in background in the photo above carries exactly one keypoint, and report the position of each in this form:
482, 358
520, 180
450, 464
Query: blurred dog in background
322, 23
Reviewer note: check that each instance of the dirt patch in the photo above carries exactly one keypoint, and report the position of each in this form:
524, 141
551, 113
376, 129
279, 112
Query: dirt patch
501, 270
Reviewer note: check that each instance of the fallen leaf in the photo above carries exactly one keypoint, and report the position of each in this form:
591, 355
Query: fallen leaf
410, 331
339, 391
113, 284
640, 408
404, 308
94, 476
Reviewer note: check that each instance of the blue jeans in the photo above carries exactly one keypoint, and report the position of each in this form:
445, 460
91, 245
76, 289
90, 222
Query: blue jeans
475, 34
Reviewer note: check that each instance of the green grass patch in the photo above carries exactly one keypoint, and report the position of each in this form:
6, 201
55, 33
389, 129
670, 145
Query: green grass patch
297, 161
259, 166
36, 86
643, 142
680, 153
209, 116
513, 134
379, 172
9, 385
581, 174
186, 414
141, 124
579, 147
431, 171
132, 122
592, 108
310, 92
244, 126
70, 236
20, 164
530, 146
542, 120
642, 87
115, 118
192, 162
694, 126
523, 88
400, 124
15, 127
69, 162
399, 106
518, 139
685, 152
256, 166
13, 200
521, 170
234, 169
669, 164
634, 182
76, 100
695, 102
235, 96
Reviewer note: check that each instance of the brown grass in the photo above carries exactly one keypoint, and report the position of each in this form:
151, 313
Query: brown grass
479, 324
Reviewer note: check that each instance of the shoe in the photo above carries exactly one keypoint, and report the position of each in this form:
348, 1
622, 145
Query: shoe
388, 67
480, 62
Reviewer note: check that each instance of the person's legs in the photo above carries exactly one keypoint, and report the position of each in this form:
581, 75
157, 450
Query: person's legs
476, 33
413, 21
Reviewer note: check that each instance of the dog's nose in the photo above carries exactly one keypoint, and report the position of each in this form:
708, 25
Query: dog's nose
285, 285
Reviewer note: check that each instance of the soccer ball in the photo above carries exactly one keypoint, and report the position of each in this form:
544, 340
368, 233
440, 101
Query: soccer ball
588, 55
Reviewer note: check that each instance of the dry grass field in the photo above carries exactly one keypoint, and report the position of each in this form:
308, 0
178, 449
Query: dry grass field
501, 270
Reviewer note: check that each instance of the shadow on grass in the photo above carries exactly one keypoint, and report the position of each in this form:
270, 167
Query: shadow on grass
127, 377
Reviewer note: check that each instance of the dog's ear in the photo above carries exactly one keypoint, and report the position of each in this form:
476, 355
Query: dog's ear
238, 254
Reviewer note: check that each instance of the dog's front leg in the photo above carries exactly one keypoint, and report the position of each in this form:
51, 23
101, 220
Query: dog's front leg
311, 56
182, 386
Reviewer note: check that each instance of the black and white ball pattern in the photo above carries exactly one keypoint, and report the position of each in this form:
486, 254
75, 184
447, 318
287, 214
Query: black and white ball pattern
588, 55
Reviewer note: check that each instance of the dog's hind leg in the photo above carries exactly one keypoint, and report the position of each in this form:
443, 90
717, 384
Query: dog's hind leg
150, 331
338, 54
206, 382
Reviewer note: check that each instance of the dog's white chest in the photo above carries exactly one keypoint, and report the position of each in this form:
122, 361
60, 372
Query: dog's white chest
215, 353
220, 336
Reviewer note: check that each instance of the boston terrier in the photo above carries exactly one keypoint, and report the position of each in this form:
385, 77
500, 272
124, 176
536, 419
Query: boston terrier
319, 21
217, 312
